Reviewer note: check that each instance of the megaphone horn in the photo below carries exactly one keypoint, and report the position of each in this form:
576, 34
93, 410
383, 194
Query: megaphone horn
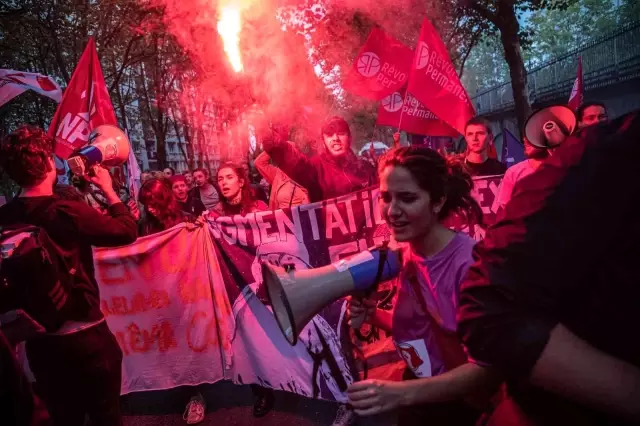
108, 145
550, 126
296, 296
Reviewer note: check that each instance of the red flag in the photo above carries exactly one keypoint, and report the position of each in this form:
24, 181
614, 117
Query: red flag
85, 105
381, 68
434, 82
577, 92
410, 115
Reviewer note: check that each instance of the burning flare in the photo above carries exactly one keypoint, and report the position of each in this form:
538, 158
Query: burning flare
229, 26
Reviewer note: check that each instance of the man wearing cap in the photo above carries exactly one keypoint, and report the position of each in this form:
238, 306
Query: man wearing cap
335, 172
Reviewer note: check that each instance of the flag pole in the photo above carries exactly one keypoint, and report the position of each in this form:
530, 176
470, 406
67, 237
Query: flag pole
397, 143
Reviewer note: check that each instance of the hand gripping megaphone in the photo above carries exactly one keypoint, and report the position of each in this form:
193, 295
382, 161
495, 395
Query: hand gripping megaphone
296, 296
550, 126
108, 145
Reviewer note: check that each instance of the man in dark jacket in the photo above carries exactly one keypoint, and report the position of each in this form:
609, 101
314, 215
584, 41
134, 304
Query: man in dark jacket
335, 172
78, 367
187, 202
552, 299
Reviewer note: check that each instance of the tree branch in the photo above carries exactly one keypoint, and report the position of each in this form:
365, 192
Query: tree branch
483, 11
125, 63
472, 44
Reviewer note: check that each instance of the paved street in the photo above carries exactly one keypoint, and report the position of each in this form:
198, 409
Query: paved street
231, 405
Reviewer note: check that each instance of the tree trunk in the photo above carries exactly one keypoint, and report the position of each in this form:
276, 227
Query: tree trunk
187, 159
513, 55
161, 150
120, 102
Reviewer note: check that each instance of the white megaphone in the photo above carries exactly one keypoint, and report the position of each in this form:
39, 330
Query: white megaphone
108, 145
296, 296
550, 126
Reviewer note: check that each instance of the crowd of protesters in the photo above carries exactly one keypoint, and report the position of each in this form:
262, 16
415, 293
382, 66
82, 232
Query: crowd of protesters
530, 303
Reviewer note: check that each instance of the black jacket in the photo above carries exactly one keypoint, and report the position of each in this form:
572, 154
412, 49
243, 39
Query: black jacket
75, 227
192, 205
564, 250
323, 175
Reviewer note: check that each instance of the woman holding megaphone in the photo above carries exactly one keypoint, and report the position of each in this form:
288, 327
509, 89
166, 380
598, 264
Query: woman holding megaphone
419, 190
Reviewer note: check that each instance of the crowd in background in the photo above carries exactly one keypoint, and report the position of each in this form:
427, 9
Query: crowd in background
507, 331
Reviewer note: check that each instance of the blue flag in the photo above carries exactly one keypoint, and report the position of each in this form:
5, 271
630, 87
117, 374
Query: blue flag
512, 149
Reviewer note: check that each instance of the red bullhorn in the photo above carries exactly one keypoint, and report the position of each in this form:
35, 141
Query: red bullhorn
108, 146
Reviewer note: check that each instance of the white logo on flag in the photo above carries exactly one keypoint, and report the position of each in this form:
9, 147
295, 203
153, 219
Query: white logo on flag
422, 55
368, 64
574, 90
393, 102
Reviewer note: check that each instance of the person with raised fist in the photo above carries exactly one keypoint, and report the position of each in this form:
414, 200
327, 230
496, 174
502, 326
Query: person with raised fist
336, 171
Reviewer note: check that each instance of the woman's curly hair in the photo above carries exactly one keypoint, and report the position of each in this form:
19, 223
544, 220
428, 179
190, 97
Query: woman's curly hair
25, 155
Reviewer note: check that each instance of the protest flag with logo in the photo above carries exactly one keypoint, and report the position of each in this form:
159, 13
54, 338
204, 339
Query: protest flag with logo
14, 83
402, 110
577, 92
434, 81
380, 69
512, 149
85, 105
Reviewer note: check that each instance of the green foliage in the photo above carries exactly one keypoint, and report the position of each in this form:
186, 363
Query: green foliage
485, 66
139, 58
556, 32
8, 188
550, 33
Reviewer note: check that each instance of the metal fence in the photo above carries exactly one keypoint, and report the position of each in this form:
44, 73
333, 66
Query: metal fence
607, 60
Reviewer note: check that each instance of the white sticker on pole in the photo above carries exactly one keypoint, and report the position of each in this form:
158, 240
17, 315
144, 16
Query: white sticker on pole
359, 258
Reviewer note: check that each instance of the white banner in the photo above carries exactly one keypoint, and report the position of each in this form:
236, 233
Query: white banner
14, 83
166, 302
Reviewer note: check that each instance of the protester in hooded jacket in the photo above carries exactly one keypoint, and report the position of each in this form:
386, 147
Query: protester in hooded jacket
335, 172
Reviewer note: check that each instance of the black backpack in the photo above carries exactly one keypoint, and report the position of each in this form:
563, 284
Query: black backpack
35, 276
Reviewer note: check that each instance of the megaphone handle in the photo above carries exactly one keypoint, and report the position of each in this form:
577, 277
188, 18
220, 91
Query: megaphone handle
357, 322
384, 250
